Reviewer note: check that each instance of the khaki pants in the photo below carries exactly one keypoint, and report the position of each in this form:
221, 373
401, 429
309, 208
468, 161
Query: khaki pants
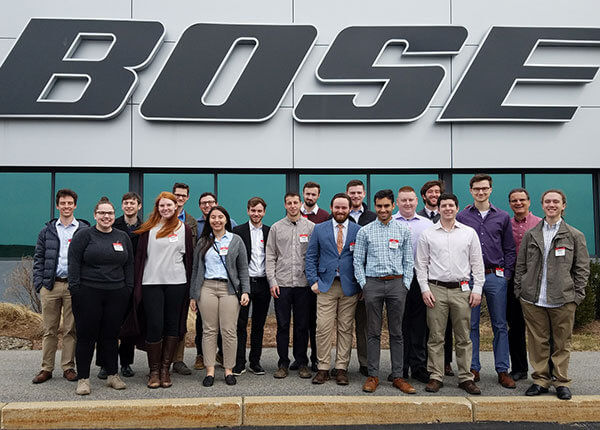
455, 302
219, 308
53, 302
334, 305
540, 323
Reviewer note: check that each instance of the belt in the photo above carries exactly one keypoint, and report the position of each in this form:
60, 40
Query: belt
491, 270
389, 277
444, 284
60, 279
257, 278
216, 279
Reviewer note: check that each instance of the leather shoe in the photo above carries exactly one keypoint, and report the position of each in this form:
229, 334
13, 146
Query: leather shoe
517, 376
304, 372
281, 373
199, 363
448, 370
181, 368
208, 381
127, 371
294, 365
469, 387
363, 370
403, 386
475, 375
421, 375
535, 390
563, 393
43, 376
506, 380
321, 377
371, 384
102, 373
433, 386
70, 375
341, 377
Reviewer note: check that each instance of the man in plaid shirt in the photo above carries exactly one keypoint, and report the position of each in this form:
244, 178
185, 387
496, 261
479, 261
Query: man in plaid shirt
383, 266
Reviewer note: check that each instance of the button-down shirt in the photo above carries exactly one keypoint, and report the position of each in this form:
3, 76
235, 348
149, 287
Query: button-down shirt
65, 234
181, 216
449, 256
495, 235
417, 225
520, 227
286, 249
344, 230
214, 267
256, 265
549, 232
373, 248
314, 210
355, 214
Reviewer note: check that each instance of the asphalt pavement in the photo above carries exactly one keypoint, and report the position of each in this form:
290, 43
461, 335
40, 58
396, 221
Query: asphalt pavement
19, 367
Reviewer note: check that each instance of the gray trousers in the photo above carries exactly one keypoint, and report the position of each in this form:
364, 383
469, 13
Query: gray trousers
393, 293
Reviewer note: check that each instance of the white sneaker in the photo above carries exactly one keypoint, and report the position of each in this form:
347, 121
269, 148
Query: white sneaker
83, 387
115, 382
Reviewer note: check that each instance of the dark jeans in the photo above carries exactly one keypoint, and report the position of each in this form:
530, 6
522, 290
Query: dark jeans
393, 293
296, 300
162, 307
414, 329
98, 317
516, 330
312, 328
260, 297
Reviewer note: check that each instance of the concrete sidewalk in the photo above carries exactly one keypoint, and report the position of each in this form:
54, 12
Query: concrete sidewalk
265, 401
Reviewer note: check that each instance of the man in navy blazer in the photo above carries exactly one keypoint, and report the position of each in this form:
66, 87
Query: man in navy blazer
330, 272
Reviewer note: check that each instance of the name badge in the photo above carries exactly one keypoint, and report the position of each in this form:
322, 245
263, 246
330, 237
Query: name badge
303, 238
118, 246
464, 285
223, 250
500, 272
173, 238
351, 246
560, 252
394, 243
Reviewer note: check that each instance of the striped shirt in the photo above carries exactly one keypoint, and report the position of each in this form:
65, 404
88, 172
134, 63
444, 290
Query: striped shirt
383, 250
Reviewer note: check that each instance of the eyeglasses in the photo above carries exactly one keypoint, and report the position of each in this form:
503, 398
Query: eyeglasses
208, 202
478, 189
103, 213
183, 196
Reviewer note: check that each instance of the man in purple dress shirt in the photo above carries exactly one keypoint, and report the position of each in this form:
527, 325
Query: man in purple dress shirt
522, 221
498, 247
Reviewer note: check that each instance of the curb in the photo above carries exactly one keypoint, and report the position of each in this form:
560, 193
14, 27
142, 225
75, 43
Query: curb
293, 411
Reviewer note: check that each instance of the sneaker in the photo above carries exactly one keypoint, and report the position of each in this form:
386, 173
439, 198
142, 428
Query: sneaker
115, 382
257, 369
281, 373
102, 373
83, 387
239, 369
199, 363
304, 372
181, 368
127, 371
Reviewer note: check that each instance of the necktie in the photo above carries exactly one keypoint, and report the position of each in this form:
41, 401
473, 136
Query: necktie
432, 214
340, 238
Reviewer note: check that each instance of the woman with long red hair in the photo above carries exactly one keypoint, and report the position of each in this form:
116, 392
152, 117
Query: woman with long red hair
163, 265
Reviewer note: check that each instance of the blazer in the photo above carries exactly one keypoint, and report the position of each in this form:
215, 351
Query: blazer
237, 268
423, 212
322, 258
243, 231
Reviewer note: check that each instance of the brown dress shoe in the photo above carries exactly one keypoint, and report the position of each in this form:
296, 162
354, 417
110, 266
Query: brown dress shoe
43, 376
371, 384
341, 377
506, 380
469, 387
475, 375
70, 375
433, 386
403, 386
448, 370
321, 377
199, 363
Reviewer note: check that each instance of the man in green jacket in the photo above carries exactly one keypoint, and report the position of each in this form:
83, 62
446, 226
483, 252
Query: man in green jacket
553, 266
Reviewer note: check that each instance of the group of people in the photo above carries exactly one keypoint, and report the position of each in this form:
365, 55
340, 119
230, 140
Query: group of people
124, 283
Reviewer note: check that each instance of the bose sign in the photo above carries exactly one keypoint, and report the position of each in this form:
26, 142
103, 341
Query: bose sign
44, 54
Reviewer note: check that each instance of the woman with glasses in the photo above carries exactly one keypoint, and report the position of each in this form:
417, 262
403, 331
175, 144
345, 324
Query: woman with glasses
100, 282
220, 285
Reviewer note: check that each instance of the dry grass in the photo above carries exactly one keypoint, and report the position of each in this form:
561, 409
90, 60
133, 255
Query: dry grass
20, 321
